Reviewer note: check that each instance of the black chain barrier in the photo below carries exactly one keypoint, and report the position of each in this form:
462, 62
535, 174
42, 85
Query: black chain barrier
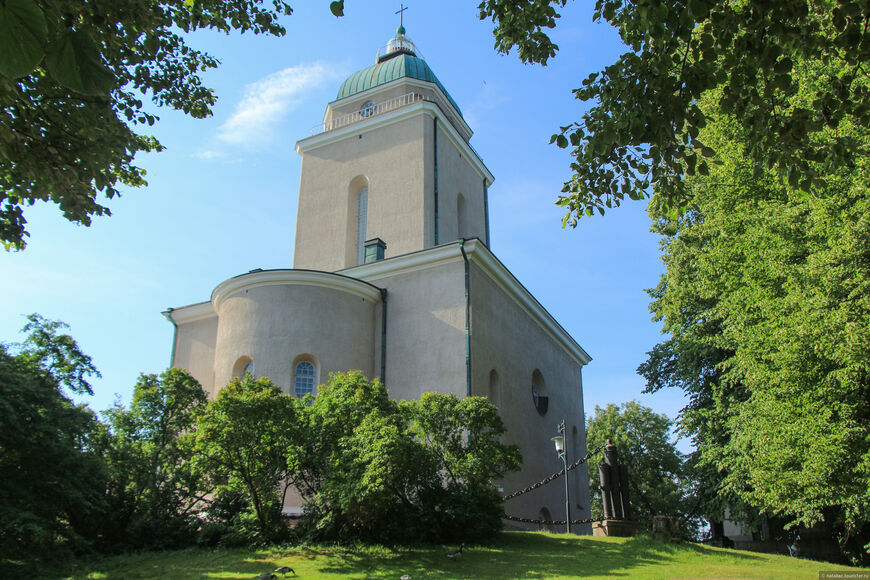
556, 475
552, 522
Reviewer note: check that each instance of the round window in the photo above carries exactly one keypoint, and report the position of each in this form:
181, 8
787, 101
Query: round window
368, 109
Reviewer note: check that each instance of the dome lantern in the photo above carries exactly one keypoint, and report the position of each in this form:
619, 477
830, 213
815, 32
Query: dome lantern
398, 44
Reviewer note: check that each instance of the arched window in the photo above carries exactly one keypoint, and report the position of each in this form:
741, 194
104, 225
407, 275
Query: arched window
304, 378
539, 393
461, 217
575, 445
494, 395
368, 109
362, 203
244, 365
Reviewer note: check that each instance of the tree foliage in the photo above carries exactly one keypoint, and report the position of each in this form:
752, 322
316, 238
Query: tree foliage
767, 299
658, 483
368, 468
688, 360
241, 445
72, 484
154, 494
642, 132
374, 469
174, 469
52, 480
57, 354
73, 75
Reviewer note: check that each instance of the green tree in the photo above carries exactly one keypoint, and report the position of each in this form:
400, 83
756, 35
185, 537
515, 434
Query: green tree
153, 491
52, 481
241, 444
464, 434
72, 77
656, 472
689, 361
773, 282
464, 438
380, 470
362, 466
642, 132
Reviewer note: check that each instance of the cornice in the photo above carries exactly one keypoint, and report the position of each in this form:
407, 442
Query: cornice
368, 94
390, 118
191, 312
261, 278
481, 256
406, 263
355, 281
498, 272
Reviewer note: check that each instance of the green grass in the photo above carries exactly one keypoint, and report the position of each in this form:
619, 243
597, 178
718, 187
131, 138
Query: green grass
514, 555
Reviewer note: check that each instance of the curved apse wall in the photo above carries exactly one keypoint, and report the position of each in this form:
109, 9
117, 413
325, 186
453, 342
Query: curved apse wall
274, 316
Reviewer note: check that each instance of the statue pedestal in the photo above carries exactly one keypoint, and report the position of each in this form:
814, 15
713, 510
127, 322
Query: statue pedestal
618, 528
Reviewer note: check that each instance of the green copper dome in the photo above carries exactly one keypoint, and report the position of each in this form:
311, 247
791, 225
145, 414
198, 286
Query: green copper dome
399, 61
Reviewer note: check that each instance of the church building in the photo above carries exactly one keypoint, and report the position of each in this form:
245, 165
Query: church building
393, 275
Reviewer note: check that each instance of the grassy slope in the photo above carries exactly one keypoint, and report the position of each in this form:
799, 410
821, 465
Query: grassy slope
515, 555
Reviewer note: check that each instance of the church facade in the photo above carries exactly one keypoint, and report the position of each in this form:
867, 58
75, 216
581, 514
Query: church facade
393, 276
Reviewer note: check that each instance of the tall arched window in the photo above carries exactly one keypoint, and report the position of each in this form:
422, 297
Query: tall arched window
539, 393
494, 395
303, 378
461, 218
575, 445
362, 203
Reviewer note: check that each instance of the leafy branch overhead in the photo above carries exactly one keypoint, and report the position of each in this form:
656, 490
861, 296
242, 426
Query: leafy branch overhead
641, 133
73, 75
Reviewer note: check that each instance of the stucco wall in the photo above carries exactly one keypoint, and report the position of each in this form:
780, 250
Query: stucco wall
457, 176
506, 339
272, 317
275, 324
389, 158
194, 350
425, 330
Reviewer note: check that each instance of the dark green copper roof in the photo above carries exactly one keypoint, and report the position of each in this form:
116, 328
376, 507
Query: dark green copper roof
394, 67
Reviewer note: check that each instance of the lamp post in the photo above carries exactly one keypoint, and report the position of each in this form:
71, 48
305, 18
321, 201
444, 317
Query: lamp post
562, 451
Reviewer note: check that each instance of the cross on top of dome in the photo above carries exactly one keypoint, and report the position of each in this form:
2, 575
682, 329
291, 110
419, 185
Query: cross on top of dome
399, 44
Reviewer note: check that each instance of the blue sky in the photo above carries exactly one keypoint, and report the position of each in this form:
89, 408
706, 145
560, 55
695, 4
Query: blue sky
221, 199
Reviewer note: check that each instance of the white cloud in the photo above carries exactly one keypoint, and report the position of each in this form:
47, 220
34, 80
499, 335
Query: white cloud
210, 154
267, 101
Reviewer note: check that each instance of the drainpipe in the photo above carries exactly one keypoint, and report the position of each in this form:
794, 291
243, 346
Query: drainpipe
168, 315
384, 336
486, 212
467, 320
435, 139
